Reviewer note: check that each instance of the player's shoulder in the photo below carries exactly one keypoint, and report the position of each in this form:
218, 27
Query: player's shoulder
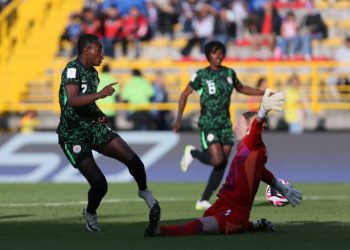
204, 70
72, 64
94, 70
197, 74
72, 70
229, 71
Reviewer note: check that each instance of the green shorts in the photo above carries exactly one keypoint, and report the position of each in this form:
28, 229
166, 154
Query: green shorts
210, 136
78, 142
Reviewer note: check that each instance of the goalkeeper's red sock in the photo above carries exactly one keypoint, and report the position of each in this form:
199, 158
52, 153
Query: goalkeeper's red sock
190, 228
250, 226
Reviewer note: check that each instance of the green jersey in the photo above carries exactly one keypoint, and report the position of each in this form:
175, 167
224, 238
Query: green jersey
215, 89
87, 80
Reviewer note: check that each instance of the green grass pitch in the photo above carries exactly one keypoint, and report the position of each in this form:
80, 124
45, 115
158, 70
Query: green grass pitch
48, 216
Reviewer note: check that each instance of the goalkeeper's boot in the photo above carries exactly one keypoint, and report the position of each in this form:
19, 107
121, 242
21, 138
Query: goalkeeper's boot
263, 225
202, 205
154, 218
92, 224
187, 158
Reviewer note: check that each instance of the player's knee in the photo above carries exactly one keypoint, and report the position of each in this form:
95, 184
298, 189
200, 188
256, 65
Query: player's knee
100, 186
134, 162
219, 163
209, 224
221, 167
215, 161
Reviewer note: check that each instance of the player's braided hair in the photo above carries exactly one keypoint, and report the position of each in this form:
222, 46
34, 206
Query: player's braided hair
213, 46
85, 40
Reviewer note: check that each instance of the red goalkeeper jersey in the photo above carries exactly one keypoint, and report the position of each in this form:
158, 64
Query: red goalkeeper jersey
246, 171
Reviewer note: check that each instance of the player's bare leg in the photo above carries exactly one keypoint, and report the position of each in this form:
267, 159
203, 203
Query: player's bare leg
121, 151
218, 158
98, 188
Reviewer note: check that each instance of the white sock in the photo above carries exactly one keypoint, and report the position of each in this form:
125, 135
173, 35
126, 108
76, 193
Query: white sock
148, 197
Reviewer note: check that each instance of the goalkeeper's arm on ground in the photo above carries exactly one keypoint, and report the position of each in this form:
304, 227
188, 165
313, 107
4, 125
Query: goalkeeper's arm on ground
294, 196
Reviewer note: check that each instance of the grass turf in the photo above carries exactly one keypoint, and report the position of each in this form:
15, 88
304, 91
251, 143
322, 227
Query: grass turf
48, 216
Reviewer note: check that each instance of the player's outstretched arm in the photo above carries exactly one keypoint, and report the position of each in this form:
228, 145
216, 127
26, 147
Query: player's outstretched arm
75, 99
270, 101
247, 90
294, 196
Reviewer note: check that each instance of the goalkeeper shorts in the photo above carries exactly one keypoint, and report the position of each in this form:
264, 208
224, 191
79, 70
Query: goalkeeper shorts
230, 221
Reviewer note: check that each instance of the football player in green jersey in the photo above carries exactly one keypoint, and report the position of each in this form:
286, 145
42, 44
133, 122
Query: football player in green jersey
215, 85
82, 129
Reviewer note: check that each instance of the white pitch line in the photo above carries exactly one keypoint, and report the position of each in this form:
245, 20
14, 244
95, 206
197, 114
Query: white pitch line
317, 197
169, 199
75, 203
327, 197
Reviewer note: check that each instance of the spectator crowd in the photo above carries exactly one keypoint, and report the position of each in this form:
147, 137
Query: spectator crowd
276, 24
286, 28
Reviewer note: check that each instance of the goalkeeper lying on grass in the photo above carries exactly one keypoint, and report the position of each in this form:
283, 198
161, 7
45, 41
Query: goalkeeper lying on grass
230, 212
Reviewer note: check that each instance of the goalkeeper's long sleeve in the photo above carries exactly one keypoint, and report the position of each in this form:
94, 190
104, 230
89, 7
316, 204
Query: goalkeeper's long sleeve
267, 177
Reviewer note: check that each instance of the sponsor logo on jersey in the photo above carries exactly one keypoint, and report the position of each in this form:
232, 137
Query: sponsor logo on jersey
229, 80
228, 212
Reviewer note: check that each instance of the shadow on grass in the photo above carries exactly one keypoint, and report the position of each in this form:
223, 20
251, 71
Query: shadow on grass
261, 204
55, 234
15, 216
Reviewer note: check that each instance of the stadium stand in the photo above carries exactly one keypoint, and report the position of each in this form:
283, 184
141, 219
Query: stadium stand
29, 31
30, 68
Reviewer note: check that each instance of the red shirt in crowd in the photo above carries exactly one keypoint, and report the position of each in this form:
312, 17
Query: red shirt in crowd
135, 27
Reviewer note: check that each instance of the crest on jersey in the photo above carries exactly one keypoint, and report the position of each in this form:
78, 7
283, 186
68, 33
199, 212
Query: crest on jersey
76, 149
210, 137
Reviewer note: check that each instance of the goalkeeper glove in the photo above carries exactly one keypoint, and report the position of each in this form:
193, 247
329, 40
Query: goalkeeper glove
294, 196
273, 102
